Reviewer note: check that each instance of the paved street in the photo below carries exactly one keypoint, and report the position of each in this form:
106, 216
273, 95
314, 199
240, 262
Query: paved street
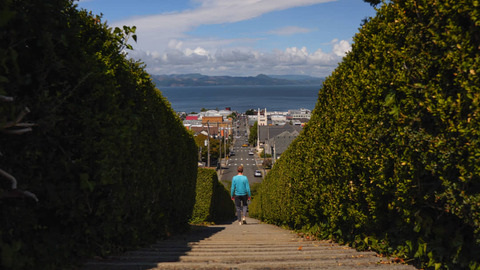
241, 157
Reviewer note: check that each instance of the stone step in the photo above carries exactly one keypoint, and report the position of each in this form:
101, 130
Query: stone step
248, 251
239, 257
251, 246
246, 245
294, 264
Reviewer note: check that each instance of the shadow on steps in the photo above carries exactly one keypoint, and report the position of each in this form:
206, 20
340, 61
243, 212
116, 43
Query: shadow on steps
167, 250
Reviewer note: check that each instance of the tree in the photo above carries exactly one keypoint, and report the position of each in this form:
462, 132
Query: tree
105, 144
252, 138
14, 127
214, 147
250, 112
267, 163
390, 158
373, 2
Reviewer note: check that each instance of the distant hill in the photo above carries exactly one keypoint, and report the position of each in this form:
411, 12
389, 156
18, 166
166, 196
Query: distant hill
197, 79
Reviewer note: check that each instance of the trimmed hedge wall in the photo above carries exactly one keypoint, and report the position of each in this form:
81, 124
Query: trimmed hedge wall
111, 163
390, 160
213, 202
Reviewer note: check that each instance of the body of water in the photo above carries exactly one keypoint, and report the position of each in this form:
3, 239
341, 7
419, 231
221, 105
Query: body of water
242, 98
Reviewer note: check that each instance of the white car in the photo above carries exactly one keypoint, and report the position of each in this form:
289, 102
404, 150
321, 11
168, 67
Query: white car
250, 153
257, 173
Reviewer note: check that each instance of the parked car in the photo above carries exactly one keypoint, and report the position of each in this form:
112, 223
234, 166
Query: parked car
245, 145
232, 153
250, 153
257, 173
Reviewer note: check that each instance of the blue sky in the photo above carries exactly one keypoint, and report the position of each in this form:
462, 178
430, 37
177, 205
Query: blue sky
237, 37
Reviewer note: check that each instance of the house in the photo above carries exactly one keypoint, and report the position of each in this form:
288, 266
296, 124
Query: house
302, 115
192, 117
215, 120
277, 145
252, 119
267, 132
225, 113
203, 129
278, 119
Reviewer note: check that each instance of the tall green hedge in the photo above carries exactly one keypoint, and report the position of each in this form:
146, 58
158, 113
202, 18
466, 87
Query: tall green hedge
212, 203
391, 157
110, 162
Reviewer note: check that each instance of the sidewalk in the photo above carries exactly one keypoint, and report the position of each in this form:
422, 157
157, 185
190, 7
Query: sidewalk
254, 245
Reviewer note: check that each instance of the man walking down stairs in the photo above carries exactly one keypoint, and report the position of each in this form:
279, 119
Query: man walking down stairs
240, 193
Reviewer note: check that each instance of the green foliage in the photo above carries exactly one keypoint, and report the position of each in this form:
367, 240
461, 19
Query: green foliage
212, 203
111, 164
214, 147
262, 155
253, 188
267, 163
252, 137
223, 206
372, 2
203, 200
390, 159
250, 112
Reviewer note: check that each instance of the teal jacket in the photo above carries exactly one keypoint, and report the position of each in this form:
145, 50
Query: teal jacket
240, 186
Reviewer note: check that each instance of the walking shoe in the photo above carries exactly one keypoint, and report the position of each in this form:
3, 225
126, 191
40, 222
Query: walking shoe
239, 223
244, 220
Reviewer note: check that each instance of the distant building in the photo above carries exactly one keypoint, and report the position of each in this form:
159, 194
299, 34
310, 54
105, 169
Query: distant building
278, 119
266, 135
225, 113
192, 122
276, 145
303, 115
191, 117
262, 117
201, 129
267, 132
252, 119
212, 120
210, 113
276, 130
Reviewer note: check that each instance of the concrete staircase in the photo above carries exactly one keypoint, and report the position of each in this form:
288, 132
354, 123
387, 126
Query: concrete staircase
250, 246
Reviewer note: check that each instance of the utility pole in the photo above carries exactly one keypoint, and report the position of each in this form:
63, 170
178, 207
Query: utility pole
220, 150
225, 144
208, 144
274, 153
258, 129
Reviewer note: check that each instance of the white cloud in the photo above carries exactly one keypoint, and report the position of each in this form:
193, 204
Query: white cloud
175, 44
235, 56
166, 47
243, 61
291, 30
156, 31
197, 51
341, 48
